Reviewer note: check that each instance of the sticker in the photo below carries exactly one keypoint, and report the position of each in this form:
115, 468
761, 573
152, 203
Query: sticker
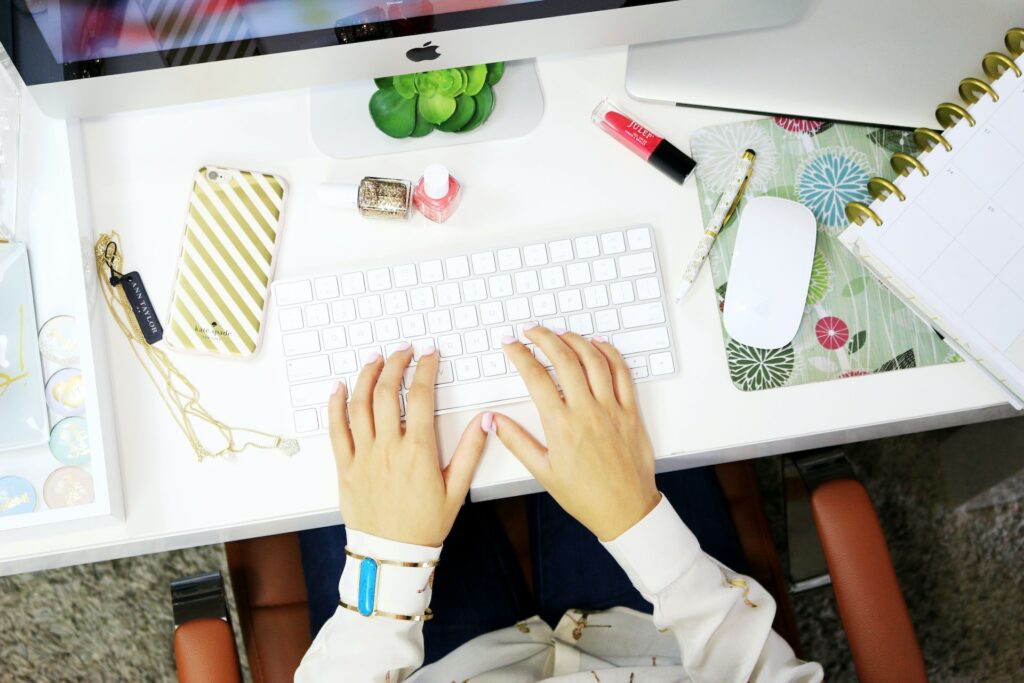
16, 496
58, 341
68, 487
65, 392
69, 441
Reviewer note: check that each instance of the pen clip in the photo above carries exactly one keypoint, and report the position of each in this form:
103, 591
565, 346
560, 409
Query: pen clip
748, 155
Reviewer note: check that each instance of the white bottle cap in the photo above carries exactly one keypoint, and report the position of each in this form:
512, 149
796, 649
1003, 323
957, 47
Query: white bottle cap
339, 196
436, 181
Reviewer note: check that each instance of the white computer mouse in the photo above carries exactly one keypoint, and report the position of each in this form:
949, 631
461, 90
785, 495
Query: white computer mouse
770, 272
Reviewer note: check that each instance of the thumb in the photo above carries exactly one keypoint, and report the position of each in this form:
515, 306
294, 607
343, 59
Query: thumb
527, 449
458, 475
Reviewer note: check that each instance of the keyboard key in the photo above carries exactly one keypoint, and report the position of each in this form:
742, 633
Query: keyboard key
556, 323
604, 270
290, 319
640, 315
493, 364
413, 326
289, 293
312, 394
647, 288
570, 300
448, 294
596, 296
459, 396
439, 321
637, 341
370, 352
352, 284
500, 285
457, 266
449, 345
518, 309
370, 306
476, 341
305, 421
323, 416
636, 362
396, 302
543, 304
491, 313
298, 343
311, 367
509, 259
345, 362
474, 290
465, 317
621, 292
326, 287
535, 255
317, 315
606, 320
431, 271
637, 264
334, 338
638, 373
405, 275
581, 323
639, 238
360, 334
613, 243
378, 279
445, 373
467, 368
386, 329
483, 263
499, 333
561, 251
419, 346
527, 282
343, 311
578, 273
422, 298
553, 277
662, 364
586, 247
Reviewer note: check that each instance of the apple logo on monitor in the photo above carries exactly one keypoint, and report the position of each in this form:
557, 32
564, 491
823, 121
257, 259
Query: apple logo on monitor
424, 53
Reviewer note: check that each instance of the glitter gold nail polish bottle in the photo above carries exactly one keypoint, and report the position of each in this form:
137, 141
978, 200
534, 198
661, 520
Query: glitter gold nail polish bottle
388, 198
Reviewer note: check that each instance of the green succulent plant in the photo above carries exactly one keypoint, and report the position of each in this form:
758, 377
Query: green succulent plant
452, 100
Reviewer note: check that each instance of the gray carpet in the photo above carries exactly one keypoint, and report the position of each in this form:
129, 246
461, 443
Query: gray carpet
956, 543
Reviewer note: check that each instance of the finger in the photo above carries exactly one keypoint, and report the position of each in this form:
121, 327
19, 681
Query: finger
419, 402
337, 427
595, 367
387, 411
360, 408
458, 476
527, 449
565, 361
538, 382
621, 377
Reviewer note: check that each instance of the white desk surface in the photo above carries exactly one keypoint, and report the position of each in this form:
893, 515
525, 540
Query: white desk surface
564, 177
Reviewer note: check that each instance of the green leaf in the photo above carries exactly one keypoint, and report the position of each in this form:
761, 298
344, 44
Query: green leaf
857, 343
821, 279
392, 113
894, 140
432, 82
423, 127
476, 78
384, 82
465, 107
484, 106
495, 71
435, 108
853, 287
405, 85
458, 83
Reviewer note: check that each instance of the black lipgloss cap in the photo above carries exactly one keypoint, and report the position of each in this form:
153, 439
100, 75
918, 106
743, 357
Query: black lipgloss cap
672, 161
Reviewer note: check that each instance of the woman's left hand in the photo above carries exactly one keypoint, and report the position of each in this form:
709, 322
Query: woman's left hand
390, 481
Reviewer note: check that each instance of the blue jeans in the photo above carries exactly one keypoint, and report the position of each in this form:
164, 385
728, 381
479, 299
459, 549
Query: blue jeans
479, 588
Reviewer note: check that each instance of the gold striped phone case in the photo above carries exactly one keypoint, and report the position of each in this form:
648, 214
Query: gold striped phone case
226, 262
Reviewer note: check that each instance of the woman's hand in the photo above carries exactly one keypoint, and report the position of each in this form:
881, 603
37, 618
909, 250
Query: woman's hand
598, 464
390, 481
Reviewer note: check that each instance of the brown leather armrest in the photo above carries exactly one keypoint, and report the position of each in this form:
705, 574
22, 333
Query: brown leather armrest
204, 650
868, 594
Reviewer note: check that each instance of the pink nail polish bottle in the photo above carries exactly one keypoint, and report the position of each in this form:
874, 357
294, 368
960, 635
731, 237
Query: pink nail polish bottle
437, 194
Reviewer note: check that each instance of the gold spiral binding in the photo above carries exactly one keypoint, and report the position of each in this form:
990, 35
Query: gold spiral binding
1015, 42
857, 212
947, 114
992, 62
971, 90
902, 162
922, 136
881, 189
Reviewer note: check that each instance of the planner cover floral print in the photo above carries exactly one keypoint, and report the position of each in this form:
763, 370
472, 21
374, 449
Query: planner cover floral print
852, 325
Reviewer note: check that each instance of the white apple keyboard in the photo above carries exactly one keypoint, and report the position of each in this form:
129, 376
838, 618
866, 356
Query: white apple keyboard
606, 283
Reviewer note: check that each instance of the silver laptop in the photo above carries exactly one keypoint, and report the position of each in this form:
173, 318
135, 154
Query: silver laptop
875, 61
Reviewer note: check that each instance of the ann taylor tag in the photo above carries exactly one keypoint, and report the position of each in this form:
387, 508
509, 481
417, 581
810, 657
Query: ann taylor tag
135, 291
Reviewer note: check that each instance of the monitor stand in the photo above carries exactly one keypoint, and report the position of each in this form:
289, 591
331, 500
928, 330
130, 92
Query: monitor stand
342, 128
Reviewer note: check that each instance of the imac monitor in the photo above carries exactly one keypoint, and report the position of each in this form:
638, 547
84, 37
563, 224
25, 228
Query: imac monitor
90, 57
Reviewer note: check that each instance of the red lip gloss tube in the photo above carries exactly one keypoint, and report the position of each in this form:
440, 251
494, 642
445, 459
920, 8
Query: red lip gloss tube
644, 142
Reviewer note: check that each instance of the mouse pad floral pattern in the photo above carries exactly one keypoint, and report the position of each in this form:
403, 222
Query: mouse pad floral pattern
852, 325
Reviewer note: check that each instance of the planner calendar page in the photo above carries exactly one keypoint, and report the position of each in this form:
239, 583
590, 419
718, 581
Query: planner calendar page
954, 248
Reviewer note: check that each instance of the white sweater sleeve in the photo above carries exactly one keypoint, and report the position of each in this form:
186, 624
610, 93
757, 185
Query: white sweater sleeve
355, 648
722, 620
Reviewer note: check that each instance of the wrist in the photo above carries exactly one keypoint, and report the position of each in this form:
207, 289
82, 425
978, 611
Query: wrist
628, 517
396, 588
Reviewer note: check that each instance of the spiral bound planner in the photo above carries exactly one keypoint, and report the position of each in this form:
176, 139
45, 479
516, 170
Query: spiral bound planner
948, 235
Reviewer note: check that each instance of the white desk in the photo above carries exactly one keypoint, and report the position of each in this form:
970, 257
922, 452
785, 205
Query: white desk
564, 177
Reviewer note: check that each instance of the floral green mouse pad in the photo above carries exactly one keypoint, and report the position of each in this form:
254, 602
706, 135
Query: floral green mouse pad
852, 325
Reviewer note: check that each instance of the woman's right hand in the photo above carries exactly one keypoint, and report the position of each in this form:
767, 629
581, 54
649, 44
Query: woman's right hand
598, 463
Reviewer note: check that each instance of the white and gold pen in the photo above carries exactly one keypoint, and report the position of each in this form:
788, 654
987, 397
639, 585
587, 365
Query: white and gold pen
724, 212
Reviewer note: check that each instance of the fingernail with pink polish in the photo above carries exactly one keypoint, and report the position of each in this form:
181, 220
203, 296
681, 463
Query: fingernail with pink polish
372, 358
559, 331
529, 326
600, 338
428, 350
507, 339
404, 346
335, 387
487, 422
